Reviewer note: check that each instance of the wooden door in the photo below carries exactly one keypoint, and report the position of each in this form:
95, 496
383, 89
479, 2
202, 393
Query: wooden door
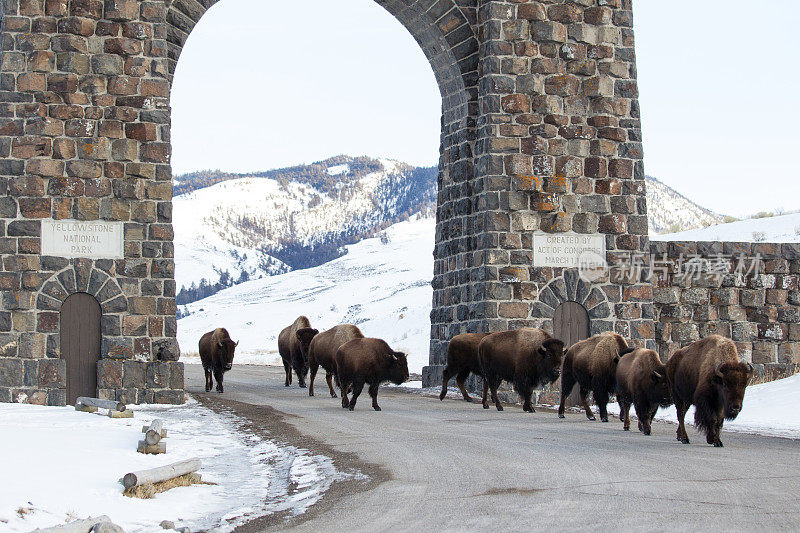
571, 324
80, 344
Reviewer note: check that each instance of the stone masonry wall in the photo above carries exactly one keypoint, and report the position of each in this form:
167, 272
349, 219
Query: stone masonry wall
84, 134
702, 288
559, 150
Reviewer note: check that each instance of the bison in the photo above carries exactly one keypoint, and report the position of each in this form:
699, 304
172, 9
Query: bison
641, 381
525, 357
707, 374
322, 351
293, 344
371, 361
592, 364
462, 358
216, 353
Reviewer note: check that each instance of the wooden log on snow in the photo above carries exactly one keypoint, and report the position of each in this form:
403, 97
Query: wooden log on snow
162, 473
163, 431
85, 408
78, 526
102, 404
120, 414
153, 434
154, 449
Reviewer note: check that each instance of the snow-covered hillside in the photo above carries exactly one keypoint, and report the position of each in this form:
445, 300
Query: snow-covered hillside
784, 228
383, 288
668, 210
258, 224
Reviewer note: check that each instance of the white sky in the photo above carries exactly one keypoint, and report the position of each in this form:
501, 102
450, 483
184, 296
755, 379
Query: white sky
286, 85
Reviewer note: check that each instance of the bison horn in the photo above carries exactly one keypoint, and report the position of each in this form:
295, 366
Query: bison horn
237, 344
717, 369
657, 375
749, 368
219, 344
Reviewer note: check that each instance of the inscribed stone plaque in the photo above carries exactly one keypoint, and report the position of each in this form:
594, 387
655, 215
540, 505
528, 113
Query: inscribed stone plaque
565, 249
96, 239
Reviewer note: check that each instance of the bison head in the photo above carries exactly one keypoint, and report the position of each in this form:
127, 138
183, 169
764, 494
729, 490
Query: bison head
731, 380
398, 367
659, 391
552, 352
304, 336
226, 349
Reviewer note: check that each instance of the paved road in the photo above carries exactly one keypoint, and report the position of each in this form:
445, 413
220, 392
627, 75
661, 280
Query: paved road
454, 467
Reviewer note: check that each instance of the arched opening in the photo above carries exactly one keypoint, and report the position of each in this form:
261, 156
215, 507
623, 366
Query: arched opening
571, 324
445, 34
80, 344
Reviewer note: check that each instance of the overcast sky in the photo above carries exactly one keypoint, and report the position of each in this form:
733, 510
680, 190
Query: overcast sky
718, 82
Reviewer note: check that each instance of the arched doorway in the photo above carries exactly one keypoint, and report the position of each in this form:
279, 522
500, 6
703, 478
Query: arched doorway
571, 324
80, 344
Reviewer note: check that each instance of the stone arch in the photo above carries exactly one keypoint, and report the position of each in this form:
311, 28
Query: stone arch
81, 275
569, 287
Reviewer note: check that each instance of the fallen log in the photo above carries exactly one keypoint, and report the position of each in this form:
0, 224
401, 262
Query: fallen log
163, 431
162, 473
154, 449
153, 434
85, 408
112, 413
111, 405
78, 526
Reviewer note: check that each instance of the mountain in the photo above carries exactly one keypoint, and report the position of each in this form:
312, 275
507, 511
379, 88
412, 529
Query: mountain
670, 211
780, 228
230, 228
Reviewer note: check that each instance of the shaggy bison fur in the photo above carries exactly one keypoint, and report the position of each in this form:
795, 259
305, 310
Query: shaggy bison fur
216, 353
708, 375
525, 357
641, 381
293, 344
592, 364
462, 358
322, 351
369, 361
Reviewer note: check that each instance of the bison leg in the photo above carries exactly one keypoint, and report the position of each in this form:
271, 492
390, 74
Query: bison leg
493, 385
625, 415
329, 379
446, 375
218, 377
373, 392
643, 414
209, 381
567, 383
288, 369
313, 373
585, 402
301, 381
601, 399
681, 408
460, 379
358, 386
344, 388
485, 393
712, 437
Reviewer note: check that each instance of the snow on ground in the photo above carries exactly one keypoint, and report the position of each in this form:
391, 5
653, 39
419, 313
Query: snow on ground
67, 465
784, 228
769, 409
383, 288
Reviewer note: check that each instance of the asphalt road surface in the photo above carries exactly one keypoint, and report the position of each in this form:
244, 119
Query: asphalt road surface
452, 466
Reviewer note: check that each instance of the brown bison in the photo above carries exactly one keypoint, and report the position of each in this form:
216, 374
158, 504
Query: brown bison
462, 358
641, 381
592, 364
525, 357
322, 351
708, 375
216, 353
371, 361
293, 344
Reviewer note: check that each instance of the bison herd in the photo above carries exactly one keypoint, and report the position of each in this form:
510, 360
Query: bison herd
706, 373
